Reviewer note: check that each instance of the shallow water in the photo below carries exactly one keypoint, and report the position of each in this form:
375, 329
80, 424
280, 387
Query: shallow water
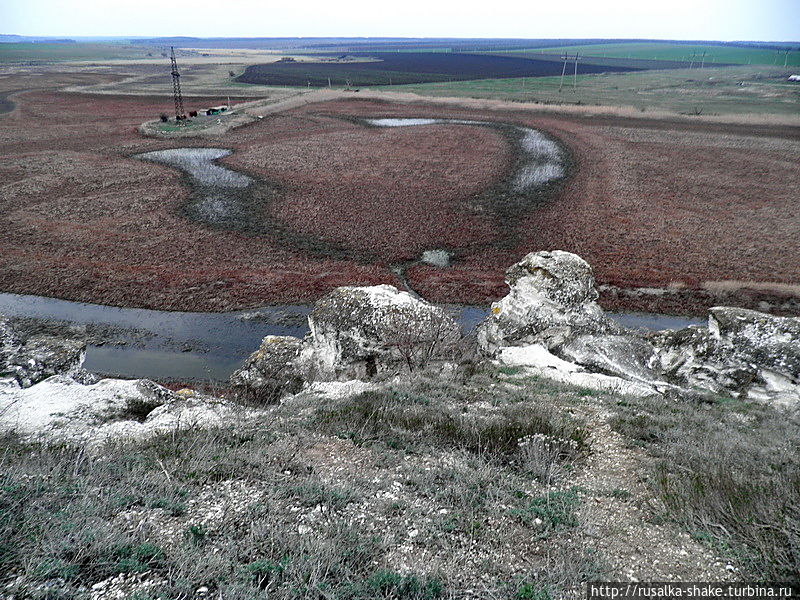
192, 346
199, 164
217, 197
543, 158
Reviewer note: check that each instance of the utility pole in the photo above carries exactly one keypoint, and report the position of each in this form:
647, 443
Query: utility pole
176, 87
691, 60
563, 71
703, 64
786, 58
575, 76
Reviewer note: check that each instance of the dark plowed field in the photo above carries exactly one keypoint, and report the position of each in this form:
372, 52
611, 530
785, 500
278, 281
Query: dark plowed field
410, 67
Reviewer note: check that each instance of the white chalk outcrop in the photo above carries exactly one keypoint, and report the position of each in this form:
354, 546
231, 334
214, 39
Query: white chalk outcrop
61, 408
551, 298
356, 333
361, 332
550, 323
44, 393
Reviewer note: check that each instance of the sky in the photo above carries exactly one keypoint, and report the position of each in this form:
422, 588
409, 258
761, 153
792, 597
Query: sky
773, 20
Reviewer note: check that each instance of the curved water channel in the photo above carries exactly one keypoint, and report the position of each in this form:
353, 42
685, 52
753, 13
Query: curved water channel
224, 198
192, 346
6, 103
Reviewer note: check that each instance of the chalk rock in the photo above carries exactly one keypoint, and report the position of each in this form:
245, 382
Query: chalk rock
763, 340
61, 404
38, 356
360, 332
551, 308
742, 352
539, 362
627, 356
270, 371
551, 299
64, 409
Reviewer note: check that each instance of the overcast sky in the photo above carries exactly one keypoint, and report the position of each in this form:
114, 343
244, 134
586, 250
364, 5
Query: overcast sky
777, 20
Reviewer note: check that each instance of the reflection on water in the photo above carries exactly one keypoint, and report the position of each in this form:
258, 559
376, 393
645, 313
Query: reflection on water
218, 198
199, 164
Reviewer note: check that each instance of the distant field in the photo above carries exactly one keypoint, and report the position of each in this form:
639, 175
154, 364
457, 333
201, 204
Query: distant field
726, 90
408, 67
64, 52
679, 52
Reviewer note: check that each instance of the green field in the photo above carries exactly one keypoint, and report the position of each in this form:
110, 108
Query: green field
722, 90
667, 51
28, 52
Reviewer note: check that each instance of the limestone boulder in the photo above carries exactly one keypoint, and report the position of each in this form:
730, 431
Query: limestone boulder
552, 298
628, 356
270, 371
39, 356
765, 341
61, 408
361, 332
550, 321
59, 404
743, 353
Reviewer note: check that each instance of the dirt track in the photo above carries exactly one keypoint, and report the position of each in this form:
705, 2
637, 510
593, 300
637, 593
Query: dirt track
651, 203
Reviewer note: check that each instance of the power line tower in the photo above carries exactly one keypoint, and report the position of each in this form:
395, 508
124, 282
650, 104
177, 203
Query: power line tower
176, 87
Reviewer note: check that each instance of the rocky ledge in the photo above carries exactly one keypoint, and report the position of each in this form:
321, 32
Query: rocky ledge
549, 325
550, 322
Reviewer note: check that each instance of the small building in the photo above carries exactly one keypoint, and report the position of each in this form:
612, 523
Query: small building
794, 77
215, 110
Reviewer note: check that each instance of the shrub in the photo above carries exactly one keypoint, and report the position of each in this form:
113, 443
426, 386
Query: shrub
421, 415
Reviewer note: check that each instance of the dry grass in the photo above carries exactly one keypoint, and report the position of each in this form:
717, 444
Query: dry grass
284, 510
643, 201
729, 472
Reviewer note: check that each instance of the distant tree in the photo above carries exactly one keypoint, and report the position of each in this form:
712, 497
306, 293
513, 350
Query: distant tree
231, 73
164, 118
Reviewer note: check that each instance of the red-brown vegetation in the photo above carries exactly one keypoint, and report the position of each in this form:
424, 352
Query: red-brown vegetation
648, 204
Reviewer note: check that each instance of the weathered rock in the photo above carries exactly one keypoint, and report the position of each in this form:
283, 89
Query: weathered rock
539, 362
270, 371
360, 332
742, 352
551, 308
61, 403
551, 299
61, 408
765, 340
627, 356
39, 356
693, 358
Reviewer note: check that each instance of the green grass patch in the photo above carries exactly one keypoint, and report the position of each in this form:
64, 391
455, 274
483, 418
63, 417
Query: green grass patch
710, 91
680, 52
